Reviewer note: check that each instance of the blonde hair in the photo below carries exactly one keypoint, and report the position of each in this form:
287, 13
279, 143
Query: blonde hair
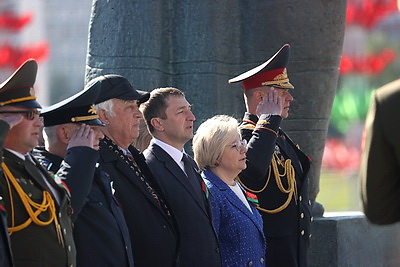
211, 138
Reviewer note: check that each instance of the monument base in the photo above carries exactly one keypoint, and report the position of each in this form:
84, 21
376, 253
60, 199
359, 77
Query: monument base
348, 239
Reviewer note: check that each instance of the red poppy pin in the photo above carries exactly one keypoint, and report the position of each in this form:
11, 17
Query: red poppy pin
204, 188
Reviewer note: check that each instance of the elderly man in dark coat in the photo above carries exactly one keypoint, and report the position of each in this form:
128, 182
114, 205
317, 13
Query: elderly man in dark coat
151, 223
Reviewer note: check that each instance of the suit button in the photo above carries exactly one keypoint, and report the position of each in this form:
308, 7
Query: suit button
311, 219
309, 202
69, 210
300, 198
302, 232
302, 215
250, 263
69, 248
164, 226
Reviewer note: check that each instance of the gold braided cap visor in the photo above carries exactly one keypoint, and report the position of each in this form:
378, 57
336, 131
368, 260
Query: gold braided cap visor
277, 78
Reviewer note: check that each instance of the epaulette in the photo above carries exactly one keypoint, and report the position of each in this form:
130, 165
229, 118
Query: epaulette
247, 126
262, 124
249, 121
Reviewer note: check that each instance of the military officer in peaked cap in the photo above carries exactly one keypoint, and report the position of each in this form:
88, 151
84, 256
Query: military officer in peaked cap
277, 168
72, 133
38, 208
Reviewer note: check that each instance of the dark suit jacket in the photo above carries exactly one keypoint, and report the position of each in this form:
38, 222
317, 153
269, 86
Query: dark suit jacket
37, 245
153, 234
288, 229
5, 246
100, 232
199, 244
380, 164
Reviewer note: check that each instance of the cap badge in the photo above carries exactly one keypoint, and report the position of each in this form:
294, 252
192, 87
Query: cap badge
92, 110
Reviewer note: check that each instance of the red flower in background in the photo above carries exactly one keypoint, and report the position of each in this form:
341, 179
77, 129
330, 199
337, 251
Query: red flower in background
12, 22
339, 156
12, 55
369, 64
368, 13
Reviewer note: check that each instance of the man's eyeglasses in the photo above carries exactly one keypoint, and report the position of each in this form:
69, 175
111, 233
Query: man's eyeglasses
29, 114
239, 145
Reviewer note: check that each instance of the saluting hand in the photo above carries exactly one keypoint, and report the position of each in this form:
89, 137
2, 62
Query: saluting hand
272, 103
83, 136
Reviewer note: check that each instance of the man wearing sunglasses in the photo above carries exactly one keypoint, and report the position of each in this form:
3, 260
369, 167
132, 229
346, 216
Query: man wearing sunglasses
38, 209
276, 168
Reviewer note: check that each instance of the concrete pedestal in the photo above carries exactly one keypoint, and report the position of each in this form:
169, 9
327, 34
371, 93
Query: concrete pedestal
348, 239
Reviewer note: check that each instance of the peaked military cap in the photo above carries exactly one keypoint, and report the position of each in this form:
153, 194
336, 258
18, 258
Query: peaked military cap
271, 73
78, 108
18, 90
117, 86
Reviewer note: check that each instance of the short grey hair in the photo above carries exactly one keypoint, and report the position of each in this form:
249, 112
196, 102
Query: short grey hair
107, 106
211, 138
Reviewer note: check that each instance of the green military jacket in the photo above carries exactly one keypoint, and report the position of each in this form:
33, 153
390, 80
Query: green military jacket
37, 245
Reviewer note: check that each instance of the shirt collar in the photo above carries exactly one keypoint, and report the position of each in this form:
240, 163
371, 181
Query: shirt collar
19, 155
175, 154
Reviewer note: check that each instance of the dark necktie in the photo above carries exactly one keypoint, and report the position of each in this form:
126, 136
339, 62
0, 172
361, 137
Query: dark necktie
192, 176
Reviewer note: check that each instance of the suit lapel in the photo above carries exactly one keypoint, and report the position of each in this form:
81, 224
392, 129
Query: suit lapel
232, 198
131, 176
177, 173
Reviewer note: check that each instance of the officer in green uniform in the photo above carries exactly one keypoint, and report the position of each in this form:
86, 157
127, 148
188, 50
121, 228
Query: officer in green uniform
276, 167
38, 209
6, 123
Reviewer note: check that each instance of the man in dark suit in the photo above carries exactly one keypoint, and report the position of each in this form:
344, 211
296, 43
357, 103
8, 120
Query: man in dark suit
38, 207
380, 166
170, 121
276, 168
72, 133
149, 218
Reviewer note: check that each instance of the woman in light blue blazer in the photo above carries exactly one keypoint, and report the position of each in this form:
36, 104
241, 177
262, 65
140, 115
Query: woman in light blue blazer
220, 153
